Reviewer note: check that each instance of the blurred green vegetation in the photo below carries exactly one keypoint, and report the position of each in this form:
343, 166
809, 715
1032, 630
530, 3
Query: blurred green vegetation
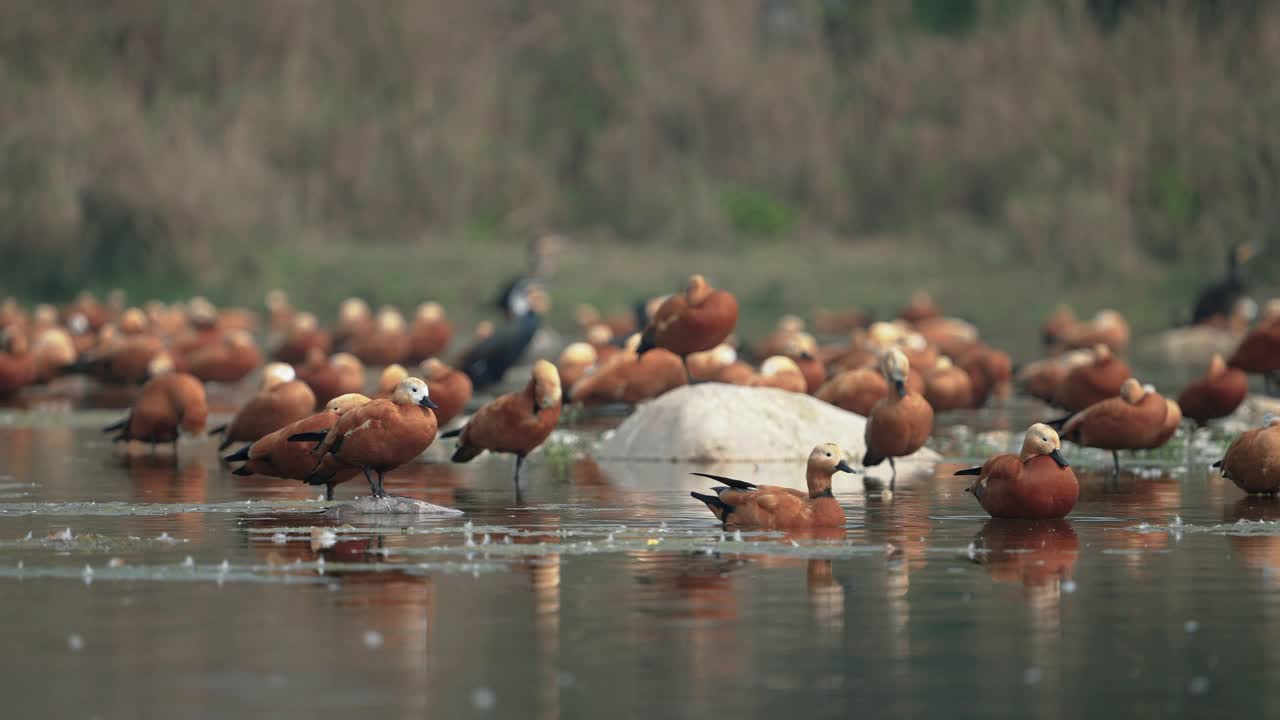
1005, 153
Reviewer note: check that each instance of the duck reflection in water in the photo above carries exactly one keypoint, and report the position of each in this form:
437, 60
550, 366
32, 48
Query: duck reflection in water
1261, 552
1039, 554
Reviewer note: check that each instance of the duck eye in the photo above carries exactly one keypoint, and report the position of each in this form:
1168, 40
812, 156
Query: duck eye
828, 454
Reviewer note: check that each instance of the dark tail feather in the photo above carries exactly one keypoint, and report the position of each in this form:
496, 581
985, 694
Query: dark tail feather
646, 342
870, 460
315, 436
242, 470
451, 433
1218, 464
219, 430
969, 471
465, 453
240, 455
119, 425
714, 504
1060, 422
735, 484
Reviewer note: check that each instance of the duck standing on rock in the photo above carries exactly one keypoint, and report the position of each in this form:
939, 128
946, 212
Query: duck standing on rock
1036, 484
515, 423
377, 437
698, 319
901, 423
740, 504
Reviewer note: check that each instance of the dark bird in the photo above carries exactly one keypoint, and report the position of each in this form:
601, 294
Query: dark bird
1219, 298
489, 360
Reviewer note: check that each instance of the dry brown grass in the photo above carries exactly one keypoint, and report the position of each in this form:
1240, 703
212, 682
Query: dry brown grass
167, 144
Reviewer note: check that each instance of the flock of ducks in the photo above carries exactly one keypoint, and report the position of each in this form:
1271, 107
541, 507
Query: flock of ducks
310, 421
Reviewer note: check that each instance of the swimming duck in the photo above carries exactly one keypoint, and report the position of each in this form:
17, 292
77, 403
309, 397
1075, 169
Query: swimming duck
698, 319
515, 423
741, 504
1128, 421
275, 455
281, 400
1252, 462
1216, 394
1100, 380
488, 360
901, 423
377, 437
1035, 484
450, 389
430, 333
947, 387
169, 402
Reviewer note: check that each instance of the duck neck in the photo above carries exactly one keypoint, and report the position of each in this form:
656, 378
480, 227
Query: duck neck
819, 483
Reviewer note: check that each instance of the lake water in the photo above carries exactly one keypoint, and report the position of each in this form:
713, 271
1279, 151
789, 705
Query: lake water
141, 587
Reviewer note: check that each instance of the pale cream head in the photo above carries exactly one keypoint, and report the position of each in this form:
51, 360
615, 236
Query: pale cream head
160, 364
599, 334
1133, 391
697, 290
305, 322
1217, 366
777, 365
346, 360
390, 319
133, 321
433, 368
353, 309
1039, 440
411, 391
277, 373
894, 365
277, 299
801, 344
430, 312
827, 458
546, 385
392, 376
578, 353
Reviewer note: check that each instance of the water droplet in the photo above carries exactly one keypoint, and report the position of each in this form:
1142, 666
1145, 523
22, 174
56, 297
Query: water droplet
1191, 626
737, 536
372, 639
279, 538
1032, 675
1199, 685
225, 566
189, 562
75, 642
87, 575
1069, 586
483, 698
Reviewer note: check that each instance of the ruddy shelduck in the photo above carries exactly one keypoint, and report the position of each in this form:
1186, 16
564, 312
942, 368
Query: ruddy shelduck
379, 436
283, 399
1033, 485
430, 333
276, 455
947, 387
450, 389
330, 377
740, 504
168, 403
1099, 380
1129, 421
227, 361
782, 373
515, 423
1217, 394
1252, 461
304, 335
901, 423
697, 319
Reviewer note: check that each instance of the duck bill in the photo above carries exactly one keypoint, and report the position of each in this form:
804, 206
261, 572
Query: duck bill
900, 386
427, 403
843, 466
1057, 457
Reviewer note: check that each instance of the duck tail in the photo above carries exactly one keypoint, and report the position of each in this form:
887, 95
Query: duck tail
220, 429
717, 506
240, 455
116, 426
871, 460
969, 471
242, 471
1217, 464
451, 433
735, 484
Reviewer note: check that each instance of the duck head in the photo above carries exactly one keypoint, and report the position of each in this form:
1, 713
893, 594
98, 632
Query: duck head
828, 458
894, 366
345, 403
1132, 391
277, 373
578, 353
546, 386
413, 391
1042, 440
392, 376
801, 345
430, 312
697, 290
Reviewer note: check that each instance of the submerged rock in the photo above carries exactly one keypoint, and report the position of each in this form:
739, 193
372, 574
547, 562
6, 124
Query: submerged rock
717, 423
390, 505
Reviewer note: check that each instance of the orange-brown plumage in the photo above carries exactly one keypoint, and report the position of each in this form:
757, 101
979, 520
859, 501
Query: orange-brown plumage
990, 372
901, 423
386, 344
630, 378
168, 403
515, 423
1216, 394
1036, 484
1088, 384
304, 336
17, 364
1259, 351
855, 390
430, 333
576, 360
698, 319
947, 387
227, 361
772, 507
275, 455
330, 377
1129, 421
281, 401
450, 389
379, 436
780, 372
1252, 461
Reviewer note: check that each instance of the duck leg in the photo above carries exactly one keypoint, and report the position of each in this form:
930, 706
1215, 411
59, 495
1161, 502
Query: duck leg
368, 476
1115, 458
515, 476
381, 491
328, 491
893, 479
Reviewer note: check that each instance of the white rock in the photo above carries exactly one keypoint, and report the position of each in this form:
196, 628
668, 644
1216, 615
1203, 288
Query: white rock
724, 424
390, 505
